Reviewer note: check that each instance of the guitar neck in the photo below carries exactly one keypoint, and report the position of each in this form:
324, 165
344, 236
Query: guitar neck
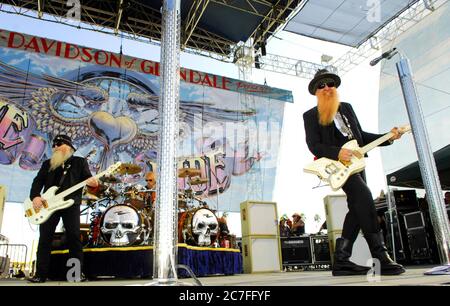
79, 185
376, 143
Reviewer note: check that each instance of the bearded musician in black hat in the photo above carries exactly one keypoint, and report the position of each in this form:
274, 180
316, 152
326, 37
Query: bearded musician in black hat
328, 126
63, 170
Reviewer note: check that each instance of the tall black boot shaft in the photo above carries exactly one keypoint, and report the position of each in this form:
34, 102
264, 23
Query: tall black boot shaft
342, 264
379, 251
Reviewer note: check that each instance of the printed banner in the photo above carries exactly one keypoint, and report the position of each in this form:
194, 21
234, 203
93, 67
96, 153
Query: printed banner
108, 104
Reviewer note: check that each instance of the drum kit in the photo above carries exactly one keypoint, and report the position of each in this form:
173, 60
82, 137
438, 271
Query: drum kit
122, 212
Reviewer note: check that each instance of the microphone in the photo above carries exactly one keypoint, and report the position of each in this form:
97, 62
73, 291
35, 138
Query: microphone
388, 54
92, 152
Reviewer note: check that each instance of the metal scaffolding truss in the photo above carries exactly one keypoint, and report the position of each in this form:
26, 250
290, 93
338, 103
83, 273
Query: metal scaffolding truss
272, 21
141, 20
138, 21
290, 66
386, 35
355, 56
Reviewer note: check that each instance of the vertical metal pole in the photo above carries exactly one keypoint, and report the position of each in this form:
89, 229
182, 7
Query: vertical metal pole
427, 164
165, 251
391, 222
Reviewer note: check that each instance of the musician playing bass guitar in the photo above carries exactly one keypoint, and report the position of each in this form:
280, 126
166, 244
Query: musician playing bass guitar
63, 170
328, 126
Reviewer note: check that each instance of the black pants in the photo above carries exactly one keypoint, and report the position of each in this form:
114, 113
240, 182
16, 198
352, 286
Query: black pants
361, 208
71, 220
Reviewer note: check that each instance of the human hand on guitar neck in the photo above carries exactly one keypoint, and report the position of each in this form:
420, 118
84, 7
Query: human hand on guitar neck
397, 134
346, 155
92, 182
38, 202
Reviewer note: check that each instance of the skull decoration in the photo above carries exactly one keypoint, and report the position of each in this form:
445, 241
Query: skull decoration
204, 225
121, 225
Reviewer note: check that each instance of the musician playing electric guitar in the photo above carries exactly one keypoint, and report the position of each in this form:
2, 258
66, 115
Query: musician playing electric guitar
63, 170
328, 127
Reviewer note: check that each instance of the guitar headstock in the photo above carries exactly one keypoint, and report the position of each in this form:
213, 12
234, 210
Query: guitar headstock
113, 168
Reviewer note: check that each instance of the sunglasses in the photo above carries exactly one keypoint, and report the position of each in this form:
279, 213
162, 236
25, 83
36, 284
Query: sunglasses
329, 84
149, 180
57, 144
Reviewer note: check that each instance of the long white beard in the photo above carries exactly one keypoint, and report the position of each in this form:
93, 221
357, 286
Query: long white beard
58, 158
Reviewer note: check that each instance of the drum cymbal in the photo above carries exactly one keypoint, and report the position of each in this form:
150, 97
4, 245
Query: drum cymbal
110, 179
198, 181
127, 168
185, 172
89, 197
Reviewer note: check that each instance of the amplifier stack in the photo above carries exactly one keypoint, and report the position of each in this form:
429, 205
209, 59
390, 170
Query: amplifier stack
307, 251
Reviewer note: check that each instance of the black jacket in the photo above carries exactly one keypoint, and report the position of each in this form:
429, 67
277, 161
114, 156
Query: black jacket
326, 141
78, 171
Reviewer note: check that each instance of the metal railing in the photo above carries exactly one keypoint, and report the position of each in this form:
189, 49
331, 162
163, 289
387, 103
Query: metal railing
13, 260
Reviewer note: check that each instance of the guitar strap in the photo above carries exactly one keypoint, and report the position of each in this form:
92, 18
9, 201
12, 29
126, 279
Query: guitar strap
66, 167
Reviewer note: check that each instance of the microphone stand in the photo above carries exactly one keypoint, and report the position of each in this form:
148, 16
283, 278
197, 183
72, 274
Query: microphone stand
217, 183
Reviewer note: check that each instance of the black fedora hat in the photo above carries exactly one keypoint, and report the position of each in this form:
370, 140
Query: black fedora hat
65, 140
320, 75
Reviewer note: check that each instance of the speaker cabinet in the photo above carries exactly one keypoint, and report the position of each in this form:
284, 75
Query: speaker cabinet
259, 218
296, 251
336, 209
261, 254
413, 220
406, 200
419, 247
320, 249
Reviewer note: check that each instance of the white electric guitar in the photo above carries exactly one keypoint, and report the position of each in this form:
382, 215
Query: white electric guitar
53, 202
335, 172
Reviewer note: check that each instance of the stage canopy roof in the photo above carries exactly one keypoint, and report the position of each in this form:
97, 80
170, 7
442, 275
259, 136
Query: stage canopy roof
217, 26
208, 25
409, 176
346, 22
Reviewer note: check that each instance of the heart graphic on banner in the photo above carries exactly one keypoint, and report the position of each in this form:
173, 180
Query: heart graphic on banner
110, 130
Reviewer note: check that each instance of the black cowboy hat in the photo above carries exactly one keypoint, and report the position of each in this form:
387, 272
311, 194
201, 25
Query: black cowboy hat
320, 75
64, 139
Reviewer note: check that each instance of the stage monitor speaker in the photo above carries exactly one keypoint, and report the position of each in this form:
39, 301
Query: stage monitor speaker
259, 218
336, 209
2, 204
296, 250
261, 254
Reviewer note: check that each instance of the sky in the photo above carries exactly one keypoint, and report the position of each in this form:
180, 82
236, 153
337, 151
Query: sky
431, 70
294, 191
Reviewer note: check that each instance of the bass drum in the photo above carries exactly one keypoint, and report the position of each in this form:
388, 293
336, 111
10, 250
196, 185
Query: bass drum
198, 227
123, 225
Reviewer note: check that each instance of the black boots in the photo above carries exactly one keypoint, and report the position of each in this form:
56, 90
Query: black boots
37, 279
342, 264
379, 251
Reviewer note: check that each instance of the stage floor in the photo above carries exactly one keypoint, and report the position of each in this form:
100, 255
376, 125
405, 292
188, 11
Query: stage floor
413, 277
